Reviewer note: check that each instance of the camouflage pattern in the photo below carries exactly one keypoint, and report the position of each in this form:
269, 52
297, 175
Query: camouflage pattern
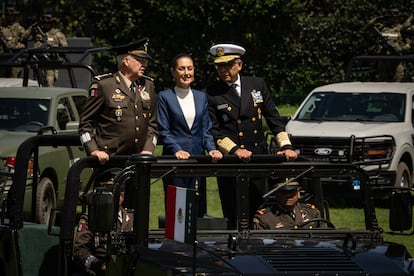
395, 38
12, 36
43, 37
11, 41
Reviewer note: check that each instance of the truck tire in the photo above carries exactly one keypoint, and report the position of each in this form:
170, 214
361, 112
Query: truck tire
45, 200
403, 176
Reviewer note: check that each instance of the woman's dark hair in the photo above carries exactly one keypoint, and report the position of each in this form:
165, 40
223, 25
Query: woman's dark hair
177, 57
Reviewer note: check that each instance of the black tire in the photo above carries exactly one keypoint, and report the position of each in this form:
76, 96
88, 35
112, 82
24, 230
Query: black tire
45, 200
403, 176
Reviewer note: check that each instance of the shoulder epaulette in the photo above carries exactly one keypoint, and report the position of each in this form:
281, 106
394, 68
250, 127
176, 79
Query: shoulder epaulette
103, 76
307, 205
263, 211
148, 78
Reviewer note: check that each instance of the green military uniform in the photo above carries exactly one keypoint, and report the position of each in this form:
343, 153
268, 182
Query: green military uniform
277, 218
90, 249
117, 120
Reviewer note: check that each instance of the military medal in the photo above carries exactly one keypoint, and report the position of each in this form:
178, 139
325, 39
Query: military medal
145, 95
256, 97
118, 113
117, 97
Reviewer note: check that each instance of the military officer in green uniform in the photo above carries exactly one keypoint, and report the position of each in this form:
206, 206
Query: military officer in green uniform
237, 105
120, 116
287, 212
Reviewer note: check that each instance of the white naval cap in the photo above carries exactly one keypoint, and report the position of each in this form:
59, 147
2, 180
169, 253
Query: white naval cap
224, 53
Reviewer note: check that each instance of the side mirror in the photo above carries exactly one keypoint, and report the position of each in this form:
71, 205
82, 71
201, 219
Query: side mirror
101, 208
401, 211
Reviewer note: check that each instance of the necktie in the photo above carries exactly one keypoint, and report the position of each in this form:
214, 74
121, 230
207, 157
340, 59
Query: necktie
132, 88
234, 87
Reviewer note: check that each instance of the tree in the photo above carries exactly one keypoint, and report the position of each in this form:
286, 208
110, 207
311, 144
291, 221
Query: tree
295, 44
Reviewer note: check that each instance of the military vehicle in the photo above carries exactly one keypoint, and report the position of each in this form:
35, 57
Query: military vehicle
30, 248
333, 250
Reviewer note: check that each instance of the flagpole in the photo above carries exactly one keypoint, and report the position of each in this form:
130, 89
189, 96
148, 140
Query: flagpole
195, 242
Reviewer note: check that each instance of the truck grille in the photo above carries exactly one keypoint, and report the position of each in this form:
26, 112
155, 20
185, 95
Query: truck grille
331, 149
311, 260
373, 149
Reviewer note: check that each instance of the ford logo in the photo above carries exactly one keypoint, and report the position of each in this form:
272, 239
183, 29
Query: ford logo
323, 151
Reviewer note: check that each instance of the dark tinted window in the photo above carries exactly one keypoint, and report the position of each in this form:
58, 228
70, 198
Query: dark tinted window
331, 106
24, 114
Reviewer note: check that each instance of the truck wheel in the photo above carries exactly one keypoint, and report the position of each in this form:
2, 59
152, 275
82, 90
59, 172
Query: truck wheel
45, 200
403, 176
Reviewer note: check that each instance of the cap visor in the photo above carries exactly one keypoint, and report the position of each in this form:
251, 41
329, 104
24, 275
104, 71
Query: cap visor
225, 59
146, 56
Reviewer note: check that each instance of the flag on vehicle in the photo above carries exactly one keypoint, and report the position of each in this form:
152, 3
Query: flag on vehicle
180, 217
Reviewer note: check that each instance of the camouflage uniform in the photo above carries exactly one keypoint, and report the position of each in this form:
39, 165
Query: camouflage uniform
11, 36
277, 217
395, 41
43, 35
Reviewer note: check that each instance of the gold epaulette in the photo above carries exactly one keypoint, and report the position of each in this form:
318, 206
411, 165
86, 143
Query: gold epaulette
103, 76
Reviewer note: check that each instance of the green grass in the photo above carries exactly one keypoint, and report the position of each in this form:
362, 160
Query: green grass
287, 110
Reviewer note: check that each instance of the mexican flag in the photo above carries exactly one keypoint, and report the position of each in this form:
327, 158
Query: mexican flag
181, 214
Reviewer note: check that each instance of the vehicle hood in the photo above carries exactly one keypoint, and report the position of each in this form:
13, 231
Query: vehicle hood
11, 140
284, 256
341, 129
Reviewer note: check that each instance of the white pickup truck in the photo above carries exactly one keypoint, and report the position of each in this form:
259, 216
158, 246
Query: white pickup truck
366, 123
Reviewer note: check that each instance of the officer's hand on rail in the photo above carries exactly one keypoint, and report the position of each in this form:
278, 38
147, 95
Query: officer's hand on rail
215, 155
102, 156
243, 154
289, 154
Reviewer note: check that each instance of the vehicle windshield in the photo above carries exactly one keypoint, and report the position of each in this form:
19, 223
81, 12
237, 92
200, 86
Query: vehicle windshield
350, 106
24, 114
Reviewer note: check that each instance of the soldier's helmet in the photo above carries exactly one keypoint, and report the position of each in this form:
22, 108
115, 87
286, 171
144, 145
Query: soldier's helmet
394, 12
11, 11
393, 16
47, 18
